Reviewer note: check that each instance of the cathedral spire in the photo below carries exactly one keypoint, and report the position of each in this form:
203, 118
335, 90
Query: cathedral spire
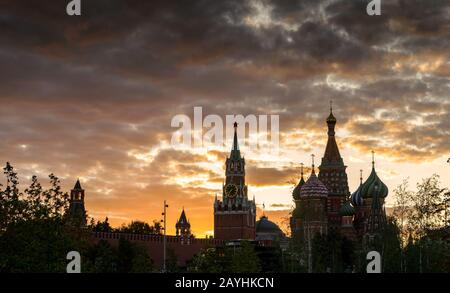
235, 152
373, 159
313, 171
360, 177
235, 139
332, 155
331, 121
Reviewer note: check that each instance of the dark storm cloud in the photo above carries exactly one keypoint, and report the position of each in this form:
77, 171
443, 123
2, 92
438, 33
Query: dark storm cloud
91, 96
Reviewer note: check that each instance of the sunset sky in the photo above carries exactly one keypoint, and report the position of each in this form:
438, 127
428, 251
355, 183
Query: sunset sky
92, 97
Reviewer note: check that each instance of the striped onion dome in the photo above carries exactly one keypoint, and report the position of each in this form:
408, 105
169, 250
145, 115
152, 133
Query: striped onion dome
374, 187
313, 187
356, 197
347, 209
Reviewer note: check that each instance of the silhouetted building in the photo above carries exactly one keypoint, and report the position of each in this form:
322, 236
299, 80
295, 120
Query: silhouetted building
77, 212
267, 230
333, 175
183, 228
234, 214
312, 208
360, 216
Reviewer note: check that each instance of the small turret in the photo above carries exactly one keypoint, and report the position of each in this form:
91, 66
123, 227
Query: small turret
183, 227
77, 212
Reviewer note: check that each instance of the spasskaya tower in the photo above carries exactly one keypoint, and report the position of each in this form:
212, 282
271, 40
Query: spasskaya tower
234, 214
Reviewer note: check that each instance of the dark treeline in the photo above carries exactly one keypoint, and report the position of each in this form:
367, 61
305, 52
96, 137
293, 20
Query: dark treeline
36, 234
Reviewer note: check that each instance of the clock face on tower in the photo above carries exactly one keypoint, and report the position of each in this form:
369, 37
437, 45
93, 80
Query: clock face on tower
231, 190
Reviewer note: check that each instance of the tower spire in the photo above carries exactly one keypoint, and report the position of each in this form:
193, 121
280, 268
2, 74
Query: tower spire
235, 152
361, 177
373, 159
301, 169
77, 185
313, 168
235, 139
332, 155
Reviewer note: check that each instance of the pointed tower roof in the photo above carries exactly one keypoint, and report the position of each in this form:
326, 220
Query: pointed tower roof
235, 152
183, 220
332, 155
77, 185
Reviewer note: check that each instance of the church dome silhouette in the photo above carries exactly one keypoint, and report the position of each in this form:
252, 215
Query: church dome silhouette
264, 225
356, 197
313, 187
374, 187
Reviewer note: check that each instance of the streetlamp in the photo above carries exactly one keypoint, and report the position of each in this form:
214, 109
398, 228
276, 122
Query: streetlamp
164, 238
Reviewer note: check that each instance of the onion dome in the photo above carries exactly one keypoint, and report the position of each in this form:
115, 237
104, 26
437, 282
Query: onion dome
264, 225
356, 198
331, 119
296, 191
347, 209
374, 187
313, 187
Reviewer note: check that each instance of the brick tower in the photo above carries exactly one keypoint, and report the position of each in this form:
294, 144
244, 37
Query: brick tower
183, 228
333, 175
234, 214
77, 212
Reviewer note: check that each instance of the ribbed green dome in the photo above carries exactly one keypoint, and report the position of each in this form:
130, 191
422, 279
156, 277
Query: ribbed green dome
374, 187
347, 209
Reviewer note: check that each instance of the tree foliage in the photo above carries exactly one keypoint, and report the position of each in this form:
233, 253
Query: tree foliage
236, 259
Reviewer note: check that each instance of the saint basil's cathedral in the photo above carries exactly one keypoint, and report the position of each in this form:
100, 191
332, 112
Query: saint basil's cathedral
323, 204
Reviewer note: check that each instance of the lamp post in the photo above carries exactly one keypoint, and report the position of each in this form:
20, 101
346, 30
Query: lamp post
446, 200
165, 234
